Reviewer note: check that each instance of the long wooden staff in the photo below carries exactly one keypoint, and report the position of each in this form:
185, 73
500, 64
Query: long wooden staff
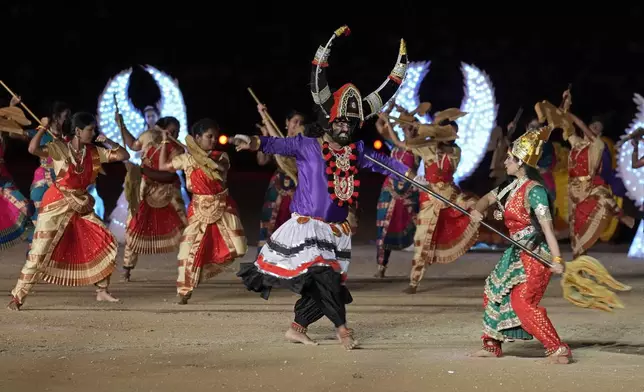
270, 119
25, 107
285, 163
176, 141
545, 262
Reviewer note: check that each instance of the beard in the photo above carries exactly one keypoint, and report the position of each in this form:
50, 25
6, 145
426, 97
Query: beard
341, 137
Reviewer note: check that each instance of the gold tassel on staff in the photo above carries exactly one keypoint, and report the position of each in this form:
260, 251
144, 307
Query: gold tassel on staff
583, 279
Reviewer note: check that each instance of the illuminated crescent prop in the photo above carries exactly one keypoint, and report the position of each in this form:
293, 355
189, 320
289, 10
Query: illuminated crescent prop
171, 104
474, 130
633, 178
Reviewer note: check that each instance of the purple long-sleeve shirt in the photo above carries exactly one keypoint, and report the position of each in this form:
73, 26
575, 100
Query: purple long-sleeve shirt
311, 196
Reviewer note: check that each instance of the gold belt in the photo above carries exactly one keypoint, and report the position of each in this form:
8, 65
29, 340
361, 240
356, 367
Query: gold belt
581, 178
78, 199
209, 209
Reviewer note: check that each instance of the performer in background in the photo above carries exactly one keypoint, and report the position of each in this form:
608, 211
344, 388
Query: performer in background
443, 234
311, 252
214, 237
45, 175
398, 202
516, 285
151, 115
15, 209
71, 245
591, 205
156, 215
281, 188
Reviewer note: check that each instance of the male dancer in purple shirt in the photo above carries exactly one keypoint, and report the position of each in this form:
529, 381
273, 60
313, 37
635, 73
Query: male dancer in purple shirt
311, 252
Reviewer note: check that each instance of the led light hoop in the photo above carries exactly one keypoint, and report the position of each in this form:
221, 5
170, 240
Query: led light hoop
407, 96
633, 178
474, 130
171, 104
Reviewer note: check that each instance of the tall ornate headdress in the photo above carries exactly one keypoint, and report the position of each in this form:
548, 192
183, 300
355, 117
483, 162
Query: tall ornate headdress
347, 101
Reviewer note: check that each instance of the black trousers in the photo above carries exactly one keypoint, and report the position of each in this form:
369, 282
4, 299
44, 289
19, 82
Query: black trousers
323, 295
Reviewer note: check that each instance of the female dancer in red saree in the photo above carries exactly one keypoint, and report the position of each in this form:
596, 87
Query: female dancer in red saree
71, 245
157, 219
443, 234
517, 284
214, 237
591, 203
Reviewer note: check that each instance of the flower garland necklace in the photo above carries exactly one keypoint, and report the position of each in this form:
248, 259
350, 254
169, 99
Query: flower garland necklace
342, 173
73, 154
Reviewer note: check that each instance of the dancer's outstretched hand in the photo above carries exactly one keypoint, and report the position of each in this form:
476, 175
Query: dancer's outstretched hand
476, 216
245, 142
557, 268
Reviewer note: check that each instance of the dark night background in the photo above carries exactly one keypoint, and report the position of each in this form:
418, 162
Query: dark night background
68, 51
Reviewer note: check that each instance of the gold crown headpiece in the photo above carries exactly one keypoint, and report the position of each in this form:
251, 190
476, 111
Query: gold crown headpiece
529, 146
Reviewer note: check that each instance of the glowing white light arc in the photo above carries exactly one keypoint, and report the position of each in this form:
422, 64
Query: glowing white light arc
479, 102
633, 178
171, 104
474, 130
407, 96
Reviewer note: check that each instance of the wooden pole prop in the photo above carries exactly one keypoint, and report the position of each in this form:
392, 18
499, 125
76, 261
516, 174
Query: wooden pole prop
25, 106
270, 119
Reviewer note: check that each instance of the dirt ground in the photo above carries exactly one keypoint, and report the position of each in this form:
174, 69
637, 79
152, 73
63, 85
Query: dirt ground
231, 339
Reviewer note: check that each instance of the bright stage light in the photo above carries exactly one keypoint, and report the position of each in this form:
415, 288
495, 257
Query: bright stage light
633, 178
223, 139
377, 144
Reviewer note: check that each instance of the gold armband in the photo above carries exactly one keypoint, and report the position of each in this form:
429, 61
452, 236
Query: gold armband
558, 259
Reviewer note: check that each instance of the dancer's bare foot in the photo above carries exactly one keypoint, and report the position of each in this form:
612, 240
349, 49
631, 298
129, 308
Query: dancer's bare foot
410, 290
483, 354
345, 336
126, 274
296, 336
105, 296
14, 304
380, 273
562, 356
183, 299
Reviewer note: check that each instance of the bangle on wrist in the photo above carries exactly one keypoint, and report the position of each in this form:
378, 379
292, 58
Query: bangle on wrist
558, 259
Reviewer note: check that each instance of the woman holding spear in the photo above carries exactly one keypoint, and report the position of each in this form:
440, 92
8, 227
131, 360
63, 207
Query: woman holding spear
517, 284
